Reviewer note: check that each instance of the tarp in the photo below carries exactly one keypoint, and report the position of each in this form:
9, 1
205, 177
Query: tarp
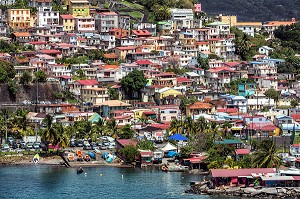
169, 147
178, 137
104, 155
172, 153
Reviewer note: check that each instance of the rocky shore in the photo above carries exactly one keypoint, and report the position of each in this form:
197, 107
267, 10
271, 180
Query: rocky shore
247, 192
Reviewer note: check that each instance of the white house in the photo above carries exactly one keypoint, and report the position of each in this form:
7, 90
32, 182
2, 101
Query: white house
266, 50
46, 16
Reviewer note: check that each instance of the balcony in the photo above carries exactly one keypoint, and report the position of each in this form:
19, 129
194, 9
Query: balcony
106, 79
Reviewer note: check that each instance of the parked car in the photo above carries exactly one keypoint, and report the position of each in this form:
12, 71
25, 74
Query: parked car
23, 145
29, 145
14, 145
10, 140
72, 143
5, 147
93, 145
86, 146
79, 143
36, 145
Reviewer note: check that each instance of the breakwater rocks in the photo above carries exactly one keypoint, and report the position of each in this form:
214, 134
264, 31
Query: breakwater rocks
247, 192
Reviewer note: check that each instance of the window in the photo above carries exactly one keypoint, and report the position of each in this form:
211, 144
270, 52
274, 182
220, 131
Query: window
164, 117
162, 111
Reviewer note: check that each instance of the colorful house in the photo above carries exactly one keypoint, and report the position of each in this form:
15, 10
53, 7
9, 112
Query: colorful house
68, 22
18, 18
78, 7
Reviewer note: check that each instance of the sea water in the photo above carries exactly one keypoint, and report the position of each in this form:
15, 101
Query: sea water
39, 181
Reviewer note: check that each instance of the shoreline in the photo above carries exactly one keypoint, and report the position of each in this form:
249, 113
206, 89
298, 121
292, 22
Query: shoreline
245, 192
26, 160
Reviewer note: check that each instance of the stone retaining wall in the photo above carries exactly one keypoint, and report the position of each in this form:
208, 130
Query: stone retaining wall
254, 192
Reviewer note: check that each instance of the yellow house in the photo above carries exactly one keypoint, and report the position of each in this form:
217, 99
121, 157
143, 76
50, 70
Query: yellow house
68, 22
165, 92
18, 18
78, 7
228, 19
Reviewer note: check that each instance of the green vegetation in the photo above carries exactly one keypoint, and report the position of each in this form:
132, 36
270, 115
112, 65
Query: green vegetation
286, 46
25, 79
255, 10
145, 145
129, 152
40, 76
132, 5
113, 94
133, 83
294, 103
232, 87
272, 94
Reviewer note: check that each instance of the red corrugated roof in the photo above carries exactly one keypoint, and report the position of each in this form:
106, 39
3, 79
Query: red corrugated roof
183, 79
50, 51
37, 42
239, 172
143, 62
196, 160
242, 151
67, 16
141, 33
88, 82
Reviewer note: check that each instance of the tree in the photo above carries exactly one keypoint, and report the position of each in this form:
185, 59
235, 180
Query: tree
273, 94
175, 126
186, 150
40, 76
25, 79
12, 88
242, 43
129, 152
203, 62
113, 94
49, 133
265, 156
112, 128
80, 74
133, 83
7, 71
145, 145
294, 103
126, 132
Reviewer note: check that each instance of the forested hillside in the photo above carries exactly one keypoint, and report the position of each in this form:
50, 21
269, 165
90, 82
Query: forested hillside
254, 10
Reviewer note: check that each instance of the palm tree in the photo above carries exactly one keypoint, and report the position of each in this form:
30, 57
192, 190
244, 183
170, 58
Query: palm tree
62, 136
243, 45
175, 126
127, 132
265, 156
112, 128
225, 126
49, 133
189, 126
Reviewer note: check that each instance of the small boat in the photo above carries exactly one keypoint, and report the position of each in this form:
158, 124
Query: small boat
80, 170
92, 155
36, 158
87, 158
71, 157
79, 158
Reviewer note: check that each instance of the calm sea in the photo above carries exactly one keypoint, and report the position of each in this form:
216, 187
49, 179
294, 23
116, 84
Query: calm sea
28, 182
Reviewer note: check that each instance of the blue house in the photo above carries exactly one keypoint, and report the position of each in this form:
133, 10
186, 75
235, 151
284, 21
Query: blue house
246, 89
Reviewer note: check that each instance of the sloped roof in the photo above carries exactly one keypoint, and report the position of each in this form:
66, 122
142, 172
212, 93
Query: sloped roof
200, 105
169, 147
124, 142
178, 137
239, 172
88, 82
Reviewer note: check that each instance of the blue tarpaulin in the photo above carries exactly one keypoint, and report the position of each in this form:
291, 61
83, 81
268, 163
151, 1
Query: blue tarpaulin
172, 153
178, 137
104, 155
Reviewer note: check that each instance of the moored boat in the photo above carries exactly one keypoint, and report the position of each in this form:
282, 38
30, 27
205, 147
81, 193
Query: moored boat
80, 170
36, 158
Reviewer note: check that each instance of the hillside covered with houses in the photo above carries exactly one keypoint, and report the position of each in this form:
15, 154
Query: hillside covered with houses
152, 73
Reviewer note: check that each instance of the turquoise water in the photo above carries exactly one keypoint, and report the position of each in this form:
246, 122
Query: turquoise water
101, 182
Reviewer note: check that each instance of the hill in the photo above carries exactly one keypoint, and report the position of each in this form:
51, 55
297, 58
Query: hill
254, 10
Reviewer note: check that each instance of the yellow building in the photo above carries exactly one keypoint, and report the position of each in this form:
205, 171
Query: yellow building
68, 22
231, 20
18, 18
78, 7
